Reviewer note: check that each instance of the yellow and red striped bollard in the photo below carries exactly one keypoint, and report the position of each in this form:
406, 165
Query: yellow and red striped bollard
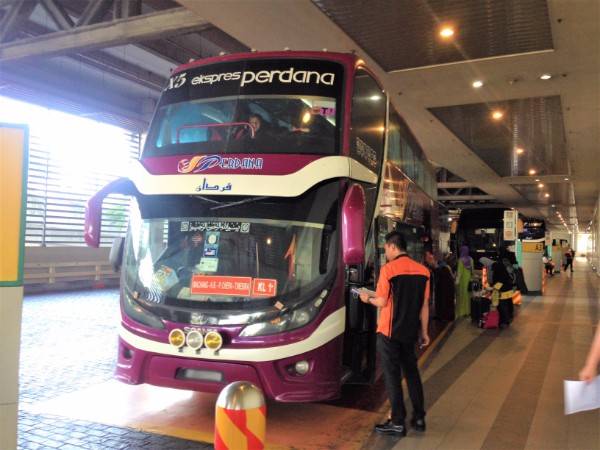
516, 298
240, 418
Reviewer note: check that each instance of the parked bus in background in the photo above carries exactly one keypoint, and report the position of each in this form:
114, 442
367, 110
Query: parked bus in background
243, 245
482, 230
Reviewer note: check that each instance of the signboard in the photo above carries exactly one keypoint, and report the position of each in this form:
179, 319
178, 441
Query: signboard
219, 285
13, 193
532, 247
511, 218
233, 286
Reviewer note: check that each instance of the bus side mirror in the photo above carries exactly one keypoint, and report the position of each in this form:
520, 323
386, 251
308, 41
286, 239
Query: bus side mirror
93, 209
115, 257
353, 225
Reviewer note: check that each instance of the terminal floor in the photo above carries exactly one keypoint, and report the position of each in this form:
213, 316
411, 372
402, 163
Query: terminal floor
492, 389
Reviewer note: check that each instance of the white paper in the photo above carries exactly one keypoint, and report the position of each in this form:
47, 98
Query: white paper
362, 290
580, 396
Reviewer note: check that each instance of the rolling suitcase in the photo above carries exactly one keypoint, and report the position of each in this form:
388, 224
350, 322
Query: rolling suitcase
479, 305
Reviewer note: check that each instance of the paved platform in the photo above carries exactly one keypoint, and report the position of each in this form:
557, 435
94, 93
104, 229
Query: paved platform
68, 344
492, 389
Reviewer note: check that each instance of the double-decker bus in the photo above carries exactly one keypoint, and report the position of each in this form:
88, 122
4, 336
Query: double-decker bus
243, 243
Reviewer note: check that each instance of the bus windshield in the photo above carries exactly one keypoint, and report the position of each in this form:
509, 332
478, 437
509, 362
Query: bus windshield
258, 106
231, 255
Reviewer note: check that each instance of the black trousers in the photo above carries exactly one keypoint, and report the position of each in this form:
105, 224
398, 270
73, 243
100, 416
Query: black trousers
398, 358
505, 311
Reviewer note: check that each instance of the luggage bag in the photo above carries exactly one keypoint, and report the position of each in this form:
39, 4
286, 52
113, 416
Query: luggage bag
479, 305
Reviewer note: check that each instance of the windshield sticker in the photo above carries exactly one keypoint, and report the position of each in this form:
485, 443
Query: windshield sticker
201, 163
221, 285
208, 264
196, 225
264, 287
323, 110
211, 245
366, 152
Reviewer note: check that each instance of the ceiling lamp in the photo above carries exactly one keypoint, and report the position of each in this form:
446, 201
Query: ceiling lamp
477, 84
545, 76
531, 171
519, 150
497, 115
446, 32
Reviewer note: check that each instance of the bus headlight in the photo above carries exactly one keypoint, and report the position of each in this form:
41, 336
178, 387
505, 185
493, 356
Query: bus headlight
177, 338
139, 314
213, 340
194, 339
287, 321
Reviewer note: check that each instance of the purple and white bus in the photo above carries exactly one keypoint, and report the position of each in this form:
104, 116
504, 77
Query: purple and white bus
244, 242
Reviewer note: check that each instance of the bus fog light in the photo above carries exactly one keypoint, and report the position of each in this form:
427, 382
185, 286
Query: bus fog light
213, 340
194, 339
177, 338
302, 367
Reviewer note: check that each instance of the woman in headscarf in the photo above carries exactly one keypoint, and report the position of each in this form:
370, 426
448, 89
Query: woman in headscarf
464, 273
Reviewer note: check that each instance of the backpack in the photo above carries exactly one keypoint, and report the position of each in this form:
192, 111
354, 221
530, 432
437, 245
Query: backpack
511, 271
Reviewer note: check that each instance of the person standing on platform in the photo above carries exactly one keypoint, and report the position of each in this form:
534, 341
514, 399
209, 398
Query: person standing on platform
590, 370
501, 286
464, 274
443, 286
568, 259
403, 295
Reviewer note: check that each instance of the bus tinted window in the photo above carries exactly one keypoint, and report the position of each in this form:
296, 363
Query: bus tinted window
256, 106
368, 121
287, 124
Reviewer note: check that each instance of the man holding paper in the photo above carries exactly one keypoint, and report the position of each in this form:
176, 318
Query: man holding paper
590, 370
403, 296
584, 395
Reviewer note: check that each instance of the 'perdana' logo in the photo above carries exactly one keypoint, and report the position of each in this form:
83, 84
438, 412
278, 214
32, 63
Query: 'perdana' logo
202, 163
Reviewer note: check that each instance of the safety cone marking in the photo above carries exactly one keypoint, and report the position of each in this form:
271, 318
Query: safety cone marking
245, 428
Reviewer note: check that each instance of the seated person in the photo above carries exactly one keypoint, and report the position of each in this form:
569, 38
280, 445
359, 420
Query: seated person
548, 265
258, 125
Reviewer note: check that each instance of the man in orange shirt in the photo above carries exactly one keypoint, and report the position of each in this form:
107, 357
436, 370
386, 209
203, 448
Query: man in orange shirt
403, 295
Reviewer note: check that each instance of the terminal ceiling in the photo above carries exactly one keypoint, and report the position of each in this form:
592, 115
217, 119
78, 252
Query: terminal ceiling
109, 60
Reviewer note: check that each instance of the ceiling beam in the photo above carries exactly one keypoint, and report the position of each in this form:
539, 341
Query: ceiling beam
531, 179
153, 26
447, 198
454, 185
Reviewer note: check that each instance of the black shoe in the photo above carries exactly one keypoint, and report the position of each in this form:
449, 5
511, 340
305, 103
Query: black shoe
418, 424
390, 428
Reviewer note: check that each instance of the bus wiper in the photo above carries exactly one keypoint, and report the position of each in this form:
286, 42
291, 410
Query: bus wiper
227, 205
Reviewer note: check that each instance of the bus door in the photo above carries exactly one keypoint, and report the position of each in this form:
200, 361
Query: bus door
361, 319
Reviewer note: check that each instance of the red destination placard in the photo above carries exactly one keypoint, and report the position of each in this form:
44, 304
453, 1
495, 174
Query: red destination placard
216, 285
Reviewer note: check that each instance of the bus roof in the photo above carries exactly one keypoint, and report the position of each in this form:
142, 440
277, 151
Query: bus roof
345, 58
